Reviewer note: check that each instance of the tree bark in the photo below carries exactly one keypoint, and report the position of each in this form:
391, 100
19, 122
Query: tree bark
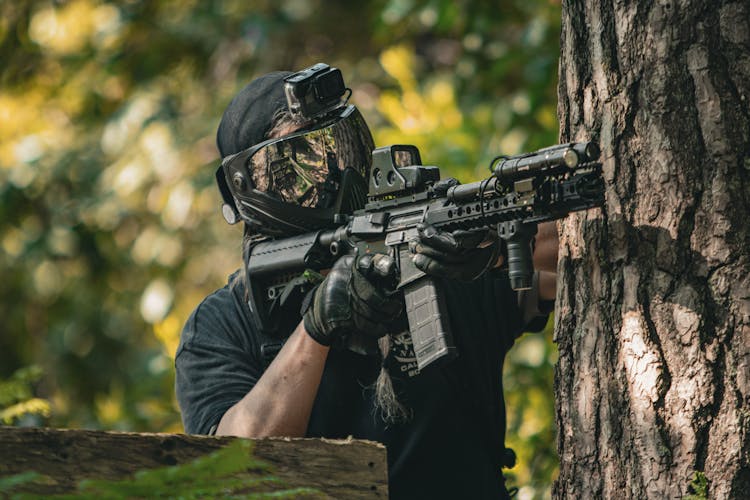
653, 319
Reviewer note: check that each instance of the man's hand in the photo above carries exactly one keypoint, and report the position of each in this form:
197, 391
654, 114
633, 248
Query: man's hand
354, 300
460, 255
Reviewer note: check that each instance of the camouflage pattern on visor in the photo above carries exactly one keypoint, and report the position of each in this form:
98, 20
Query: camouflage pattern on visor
304, 168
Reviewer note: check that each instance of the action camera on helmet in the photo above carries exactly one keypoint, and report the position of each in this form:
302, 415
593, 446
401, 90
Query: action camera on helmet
313, 92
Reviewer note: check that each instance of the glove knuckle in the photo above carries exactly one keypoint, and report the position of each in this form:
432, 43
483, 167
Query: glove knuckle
384, 265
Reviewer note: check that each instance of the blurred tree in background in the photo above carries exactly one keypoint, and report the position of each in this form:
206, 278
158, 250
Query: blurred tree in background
111, 230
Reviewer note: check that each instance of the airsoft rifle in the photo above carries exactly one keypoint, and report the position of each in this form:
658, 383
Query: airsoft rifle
523, 191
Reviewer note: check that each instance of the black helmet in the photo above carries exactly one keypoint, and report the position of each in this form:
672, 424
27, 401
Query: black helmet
298, 182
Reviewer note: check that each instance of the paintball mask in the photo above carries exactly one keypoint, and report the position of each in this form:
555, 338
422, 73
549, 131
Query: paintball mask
300, 182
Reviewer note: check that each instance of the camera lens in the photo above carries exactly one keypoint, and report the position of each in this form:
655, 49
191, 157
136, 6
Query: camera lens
329, 85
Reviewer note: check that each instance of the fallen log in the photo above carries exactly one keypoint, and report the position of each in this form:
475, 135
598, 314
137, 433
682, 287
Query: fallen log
314, 467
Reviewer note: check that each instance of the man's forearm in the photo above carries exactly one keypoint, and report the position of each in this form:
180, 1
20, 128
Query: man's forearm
545, 247
545, 259
281, 401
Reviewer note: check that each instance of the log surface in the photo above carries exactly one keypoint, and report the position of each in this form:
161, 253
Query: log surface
339, 468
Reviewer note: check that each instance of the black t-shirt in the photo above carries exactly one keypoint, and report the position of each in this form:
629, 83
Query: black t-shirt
450, 448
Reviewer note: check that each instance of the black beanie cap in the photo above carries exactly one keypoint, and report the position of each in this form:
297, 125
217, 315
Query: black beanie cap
249, 116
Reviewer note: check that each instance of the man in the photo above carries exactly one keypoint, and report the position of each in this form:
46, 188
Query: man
347, 366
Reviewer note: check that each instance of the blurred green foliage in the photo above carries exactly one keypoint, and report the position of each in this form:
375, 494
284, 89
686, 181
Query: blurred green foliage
111, 230
17, 396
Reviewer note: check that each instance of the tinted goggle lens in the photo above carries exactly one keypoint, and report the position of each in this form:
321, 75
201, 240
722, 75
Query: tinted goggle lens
305, 168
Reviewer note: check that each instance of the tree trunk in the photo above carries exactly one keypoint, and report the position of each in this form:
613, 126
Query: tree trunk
653, 381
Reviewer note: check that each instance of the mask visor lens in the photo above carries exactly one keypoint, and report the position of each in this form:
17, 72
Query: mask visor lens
305, 168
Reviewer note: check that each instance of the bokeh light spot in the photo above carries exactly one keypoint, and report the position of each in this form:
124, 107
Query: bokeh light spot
156, 300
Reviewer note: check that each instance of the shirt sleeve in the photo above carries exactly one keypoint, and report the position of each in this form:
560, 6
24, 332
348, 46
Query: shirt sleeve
216, 363
534, 311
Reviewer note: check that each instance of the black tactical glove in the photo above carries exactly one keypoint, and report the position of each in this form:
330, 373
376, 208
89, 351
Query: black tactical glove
460, 255
354, 300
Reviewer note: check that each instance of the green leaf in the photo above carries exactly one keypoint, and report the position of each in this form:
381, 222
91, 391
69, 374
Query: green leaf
8, 483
